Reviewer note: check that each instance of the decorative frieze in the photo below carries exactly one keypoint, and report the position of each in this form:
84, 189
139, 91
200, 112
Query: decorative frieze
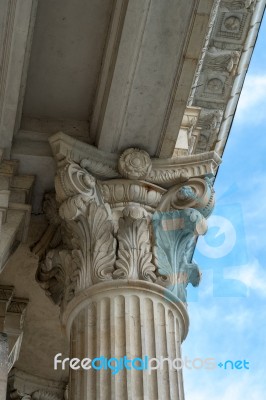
189, 133
222, 68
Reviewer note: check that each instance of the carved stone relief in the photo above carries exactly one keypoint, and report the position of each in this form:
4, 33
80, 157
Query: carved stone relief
115, 229
209, 122
87, 158
15, 209
219, 65
37, 395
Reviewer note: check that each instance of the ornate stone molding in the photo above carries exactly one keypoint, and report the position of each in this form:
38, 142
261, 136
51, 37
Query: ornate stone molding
14, 320
134, 164
163, 172
15, 209
37, 395
222, 68
23, 386
6, 294
40, 395
12, 311
113, 229
128, 192
189, 133
17, 306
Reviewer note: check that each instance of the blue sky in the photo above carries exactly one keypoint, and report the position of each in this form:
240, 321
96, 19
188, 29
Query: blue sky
234, 326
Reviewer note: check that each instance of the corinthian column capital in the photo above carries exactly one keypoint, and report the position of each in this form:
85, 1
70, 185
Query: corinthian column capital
122, 228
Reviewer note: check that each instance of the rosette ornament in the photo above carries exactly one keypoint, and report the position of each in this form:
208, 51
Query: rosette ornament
134, 164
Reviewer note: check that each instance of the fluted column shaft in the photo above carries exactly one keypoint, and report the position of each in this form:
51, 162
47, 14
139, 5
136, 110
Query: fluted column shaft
132, 319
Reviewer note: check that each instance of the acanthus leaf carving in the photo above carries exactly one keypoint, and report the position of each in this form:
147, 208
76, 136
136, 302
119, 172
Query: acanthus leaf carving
89, 259
175, 233
71, 208
164, 269
134, 247
93, 237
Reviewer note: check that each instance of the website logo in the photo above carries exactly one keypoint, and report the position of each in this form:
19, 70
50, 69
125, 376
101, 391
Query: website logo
145, 364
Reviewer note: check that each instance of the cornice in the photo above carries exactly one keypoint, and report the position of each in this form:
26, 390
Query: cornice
222, 68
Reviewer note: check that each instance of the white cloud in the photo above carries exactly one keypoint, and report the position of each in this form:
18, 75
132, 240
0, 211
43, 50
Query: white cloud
224, 329
252, 102
229, 388
240, 319
253, 275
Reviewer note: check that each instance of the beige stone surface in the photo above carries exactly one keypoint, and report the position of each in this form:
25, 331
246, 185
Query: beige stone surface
43, 336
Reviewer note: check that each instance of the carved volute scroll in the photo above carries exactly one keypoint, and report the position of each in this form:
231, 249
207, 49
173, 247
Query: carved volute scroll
127, 229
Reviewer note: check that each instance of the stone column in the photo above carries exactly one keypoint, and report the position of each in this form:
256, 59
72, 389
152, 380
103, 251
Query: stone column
120, 269
133, 319
6, 294
3, 364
